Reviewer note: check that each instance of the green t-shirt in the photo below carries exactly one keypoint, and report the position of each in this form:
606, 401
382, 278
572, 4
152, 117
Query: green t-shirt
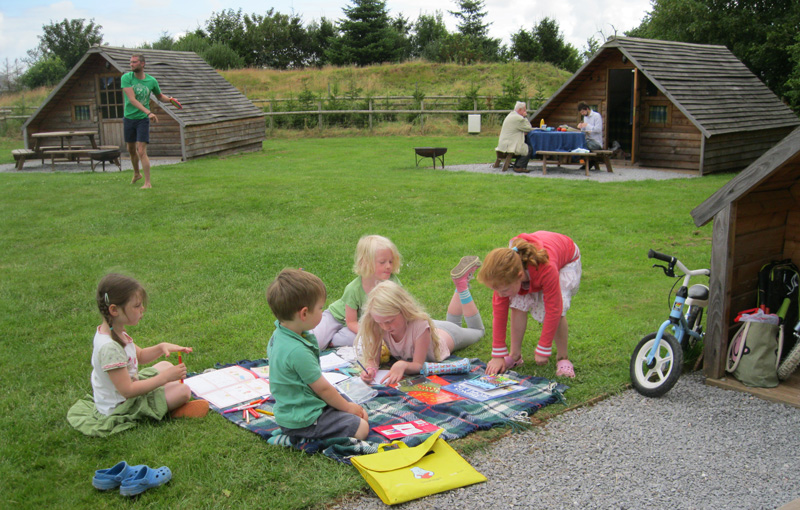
354, 297
142, 90
293, 366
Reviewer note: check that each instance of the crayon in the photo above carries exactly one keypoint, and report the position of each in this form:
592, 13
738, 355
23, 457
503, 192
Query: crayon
268, 413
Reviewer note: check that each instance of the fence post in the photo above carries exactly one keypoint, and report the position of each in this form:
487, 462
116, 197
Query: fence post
271, 119
422, 116
319, 109
370, 114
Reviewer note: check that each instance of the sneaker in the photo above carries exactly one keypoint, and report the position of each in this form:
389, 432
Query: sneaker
466, 267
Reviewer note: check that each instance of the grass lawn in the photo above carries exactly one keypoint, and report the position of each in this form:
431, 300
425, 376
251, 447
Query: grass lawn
207, 240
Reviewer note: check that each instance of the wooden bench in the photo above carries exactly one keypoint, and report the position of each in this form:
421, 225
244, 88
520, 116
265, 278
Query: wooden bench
505, 157
587, 157
20, 155
65, 155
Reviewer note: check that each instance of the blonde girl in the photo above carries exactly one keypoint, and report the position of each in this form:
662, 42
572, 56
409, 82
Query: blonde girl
392, 317
539, 274
123, 394
376, 260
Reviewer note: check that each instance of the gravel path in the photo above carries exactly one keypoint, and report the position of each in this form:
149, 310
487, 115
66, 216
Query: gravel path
698, 447
35, 165
621, 173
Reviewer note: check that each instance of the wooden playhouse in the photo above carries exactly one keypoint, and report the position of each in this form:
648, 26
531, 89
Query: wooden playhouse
674, 105
756, 220
216, 118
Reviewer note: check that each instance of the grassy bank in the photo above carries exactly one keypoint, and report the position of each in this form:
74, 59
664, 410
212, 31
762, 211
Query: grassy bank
207, 240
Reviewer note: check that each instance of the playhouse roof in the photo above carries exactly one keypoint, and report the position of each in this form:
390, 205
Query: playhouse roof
707, 83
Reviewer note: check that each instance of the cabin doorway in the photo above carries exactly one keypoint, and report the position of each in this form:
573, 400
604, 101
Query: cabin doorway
619, 121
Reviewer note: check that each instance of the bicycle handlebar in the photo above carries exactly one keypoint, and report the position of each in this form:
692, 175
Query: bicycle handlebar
672, 261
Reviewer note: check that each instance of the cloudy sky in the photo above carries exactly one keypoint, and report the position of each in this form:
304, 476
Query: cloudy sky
132, 22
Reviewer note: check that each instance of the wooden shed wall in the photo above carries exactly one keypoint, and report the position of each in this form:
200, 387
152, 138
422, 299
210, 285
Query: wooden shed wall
734, 151
241, 135
765, 226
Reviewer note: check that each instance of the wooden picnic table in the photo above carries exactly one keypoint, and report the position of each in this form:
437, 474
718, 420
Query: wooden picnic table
63, 136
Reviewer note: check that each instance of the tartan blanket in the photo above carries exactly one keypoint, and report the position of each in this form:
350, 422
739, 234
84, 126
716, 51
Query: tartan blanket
392, 406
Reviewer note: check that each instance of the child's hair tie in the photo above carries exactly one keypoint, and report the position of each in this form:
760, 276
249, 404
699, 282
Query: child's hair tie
515, 249
105, 297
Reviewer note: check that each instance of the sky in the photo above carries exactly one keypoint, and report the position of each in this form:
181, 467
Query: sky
133, 22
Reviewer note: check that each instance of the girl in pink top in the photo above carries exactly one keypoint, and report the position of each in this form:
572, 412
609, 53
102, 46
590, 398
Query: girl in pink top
392, 317
538, 274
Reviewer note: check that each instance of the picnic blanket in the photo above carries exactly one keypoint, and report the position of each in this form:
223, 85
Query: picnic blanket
392, 406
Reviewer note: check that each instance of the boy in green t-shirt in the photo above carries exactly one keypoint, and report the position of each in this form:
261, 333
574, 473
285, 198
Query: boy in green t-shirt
307, 406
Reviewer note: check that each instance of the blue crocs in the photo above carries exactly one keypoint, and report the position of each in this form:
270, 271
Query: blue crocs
111, 478
146, 478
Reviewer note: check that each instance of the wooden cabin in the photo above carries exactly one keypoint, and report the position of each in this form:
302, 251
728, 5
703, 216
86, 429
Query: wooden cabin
756, 220
674, 105
216, 118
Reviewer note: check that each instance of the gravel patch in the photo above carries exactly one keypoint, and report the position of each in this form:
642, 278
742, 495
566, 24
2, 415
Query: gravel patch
621, 173
698, 447
36, 166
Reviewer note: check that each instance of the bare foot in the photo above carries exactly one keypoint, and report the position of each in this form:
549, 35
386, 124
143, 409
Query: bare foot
146, 186
136, 177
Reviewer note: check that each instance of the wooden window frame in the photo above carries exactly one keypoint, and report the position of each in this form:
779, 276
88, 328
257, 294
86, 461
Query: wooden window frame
665, 104
77, 104
102, 94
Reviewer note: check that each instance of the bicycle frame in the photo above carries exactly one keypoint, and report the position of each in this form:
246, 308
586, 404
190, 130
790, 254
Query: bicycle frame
677, 317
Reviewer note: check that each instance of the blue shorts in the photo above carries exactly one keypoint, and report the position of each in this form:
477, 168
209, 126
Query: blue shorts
136, 130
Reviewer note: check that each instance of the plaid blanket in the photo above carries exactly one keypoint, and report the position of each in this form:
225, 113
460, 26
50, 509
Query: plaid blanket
392, 406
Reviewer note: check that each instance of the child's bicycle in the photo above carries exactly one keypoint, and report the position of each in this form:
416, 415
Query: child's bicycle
658, 358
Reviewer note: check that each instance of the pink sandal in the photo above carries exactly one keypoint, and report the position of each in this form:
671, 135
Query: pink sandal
510, 363
564, 368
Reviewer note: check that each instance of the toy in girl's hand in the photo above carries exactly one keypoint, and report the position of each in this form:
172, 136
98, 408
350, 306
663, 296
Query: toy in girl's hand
176, 103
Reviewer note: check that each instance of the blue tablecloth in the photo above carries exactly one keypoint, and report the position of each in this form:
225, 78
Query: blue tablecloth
563, 141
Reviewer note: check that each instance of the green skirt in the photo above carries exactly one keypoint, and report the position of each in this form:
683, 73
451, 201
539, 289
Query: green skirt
85, 417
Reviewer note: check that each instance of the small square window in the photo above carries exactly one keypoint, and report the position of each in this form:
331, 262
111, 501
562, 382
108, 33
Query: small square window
658, 114
83, 112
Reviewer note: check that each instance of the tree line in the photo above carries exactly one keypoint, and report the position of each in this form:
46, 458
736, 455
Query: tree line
765, 35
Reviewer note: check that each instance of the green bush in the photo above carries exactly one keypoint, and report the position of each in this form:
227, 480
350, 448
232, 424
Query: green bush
221, 56
45, 73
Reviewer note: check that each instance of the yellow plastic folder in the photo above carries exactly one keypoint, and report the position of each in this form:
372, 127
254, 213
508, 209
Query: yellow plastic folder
404, 473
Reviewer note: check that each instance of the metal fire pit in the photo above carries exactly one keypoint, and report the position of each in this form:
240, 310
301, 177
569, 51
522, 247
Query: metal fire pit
430, 152
109, 155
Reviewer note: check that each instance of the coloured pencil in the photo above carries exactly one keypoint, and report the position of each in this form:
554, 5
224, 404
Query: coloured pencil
179, 362
268, 413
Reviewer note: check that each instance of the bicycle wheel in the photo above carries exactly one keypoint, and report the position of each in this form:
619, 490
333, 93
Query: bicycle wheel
657, 378
694, 321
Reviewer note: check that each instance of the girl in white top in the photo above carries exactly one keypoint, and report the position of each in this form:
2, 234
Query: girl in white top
394, 318
123, 394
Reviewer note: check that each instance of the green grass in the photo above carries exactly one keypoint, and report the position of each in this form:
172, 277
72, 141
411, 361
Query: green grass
207, 240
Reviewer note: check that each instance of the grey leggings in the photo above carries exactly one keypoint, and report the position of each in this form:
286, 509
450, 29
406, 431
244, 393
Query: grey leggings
462, 337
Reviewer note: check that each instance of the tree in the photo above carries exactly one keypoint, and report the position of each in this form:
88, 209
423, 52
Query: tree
276, 40
192, 42
545, 43
228, 28
761, 34
68, 40
165, 42
367, 36
475, 45
429, 32
48, 71
221, 56
318, 36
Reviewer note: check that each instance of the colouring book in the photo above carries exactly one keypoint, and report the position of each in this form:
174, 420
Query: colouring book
406, 429
465, 389
428, 397
490, 382
229, 386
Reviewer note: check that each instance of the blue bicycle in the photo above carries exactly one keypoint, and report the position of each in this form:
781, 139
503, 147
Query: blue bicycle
657, 360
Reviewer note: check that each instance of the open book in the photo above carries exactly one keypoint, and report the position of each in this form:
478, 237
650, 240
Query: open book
231, 385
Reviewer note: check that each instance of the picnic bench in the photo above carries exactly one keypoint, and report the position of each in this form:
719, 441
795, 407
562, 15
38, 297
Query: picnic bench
505, 157
604, 155
20, 155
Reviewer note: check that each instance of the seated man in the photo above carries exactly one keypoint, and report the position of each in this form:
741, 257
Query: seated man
512, 137
592, 125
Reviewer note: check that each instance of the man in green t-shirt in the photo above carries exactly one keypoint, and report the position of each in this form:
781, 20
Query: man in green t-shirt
137, 87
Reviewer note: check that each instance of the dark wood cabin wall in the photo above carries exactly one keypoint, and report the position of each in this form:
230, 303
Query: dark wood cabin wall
674, 145
591, 87
225, 137
734, 151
